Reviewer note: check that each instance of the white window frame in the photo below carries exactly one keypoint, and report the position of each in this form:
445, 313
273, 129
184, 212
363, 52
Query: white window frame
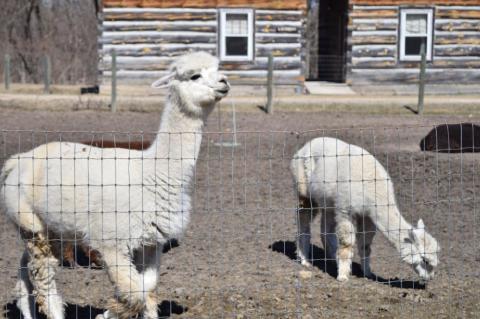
222, 34
404, 35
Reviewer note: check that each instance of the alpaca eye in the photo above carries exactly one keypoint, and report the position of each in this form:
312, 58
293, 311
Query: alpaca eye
195, 77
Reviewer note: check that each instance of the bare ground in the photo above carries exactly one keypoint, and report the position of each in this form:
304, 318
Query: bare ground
237, 259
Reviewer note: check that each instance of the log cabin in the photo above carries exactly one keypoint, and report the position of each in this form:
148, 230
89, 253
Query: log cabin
356, 42
148, 34
377, 42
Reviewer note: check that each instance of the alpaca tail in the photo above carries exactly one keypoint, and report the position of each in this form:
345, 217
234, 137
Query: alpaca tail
7, 168
298, 168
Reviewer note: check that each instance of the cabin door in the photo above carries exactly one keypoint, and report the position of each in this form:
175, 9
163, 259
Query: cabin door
332, 40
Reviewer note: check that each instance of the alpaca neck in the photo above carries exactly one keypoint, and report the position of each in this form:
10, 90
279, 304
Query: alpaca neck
178, 141
392, 224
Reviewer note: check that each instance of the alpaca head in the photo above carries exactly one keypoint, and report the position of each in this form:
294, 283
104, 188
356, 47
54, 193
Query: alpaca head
195, 83
421, 251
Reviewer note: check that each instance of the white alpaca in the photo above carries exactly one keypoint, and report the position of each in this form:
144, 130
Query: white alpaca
356, 196
123, 203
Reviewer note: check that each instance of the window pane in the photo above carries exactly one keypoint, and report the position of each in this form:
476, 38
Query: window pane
417, 23
413, 45
237, 24
236, 46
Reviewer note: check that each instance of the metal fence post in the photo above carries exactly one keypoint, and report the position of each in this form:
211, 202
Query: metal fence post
269, 106
421, 84
234, 122
6, 71
113, 103
46, 74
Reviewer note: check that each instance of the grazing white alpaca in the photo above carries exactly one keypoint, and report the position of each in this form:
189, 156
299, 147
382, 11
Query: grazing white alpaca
356, 196
123, 203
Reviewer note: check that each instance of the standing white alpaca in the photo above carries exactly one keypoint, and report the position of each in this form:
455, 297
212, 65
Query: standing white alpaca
123, 203
356, 196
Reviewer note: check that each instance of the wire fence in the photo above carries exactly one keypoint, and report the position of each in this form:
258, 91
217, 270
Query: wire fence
238, 257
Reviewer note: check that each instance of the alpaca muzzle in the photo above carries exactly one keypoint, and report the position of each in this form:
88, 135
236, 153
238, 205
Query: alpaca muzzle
224, 87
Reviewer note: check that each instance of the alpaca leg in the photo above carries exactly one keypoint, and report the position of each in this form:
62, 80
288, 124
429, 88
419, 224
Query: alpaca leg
38, 265
94, 256
42, 267
151, 301
148, 261
21, 212
24, 290
129, 301
68, 254
306, 213
328, 234
365, 235
346, 242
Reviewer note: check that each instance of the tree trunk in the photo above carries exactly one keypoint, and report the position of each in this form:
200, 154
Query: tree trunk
66, 30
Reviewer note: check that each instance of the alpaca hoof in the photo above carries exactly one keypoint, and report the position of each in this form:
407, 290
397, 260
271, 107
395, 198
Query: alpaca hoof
306, 263
342, 278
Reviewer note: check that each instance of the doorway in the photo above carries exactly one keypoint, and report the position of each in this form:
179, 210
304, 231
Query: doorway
332, 40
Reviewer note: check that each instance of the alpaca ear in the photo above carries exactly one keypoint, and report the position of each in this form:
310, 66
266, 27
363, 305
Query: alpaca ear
420, 224
411, 235
415, 235
163, 82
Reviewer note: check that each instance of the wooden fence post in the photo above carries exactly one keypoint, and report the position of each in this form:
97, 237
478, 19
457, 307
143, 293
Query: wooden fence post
113, 103
46, 74
6, 71
421, 84
269, 105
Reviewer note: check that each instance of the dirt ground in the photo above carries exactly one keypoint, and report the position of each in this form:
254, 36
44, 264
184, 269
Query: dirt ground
237, 259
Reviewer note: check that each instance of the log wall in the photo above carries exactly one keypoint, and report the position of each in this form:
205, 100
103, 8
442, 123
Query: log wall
415, 2
374, 38
147, 40
257, 4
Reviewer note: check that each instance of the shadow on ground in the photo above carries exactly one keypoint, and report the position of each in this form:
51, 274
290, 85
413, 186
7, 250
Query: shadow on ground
288, 248
166, 308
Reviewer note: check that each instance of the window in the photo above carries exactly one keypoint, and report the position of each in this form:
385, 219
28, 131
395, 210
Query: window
416, 27
236, 34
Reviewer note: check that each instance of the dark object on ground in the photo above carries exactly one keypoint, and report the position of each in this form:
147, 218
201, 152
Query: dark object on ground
90, 90
452, 138
132, 145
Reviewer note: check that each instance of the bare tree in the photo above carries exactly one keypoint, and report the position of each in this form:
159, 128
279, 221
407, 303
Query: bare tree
65, 30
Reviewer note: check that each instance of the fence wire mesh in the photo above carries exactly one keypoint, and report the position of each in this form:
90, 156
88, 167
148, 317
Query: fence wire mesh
238, 256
